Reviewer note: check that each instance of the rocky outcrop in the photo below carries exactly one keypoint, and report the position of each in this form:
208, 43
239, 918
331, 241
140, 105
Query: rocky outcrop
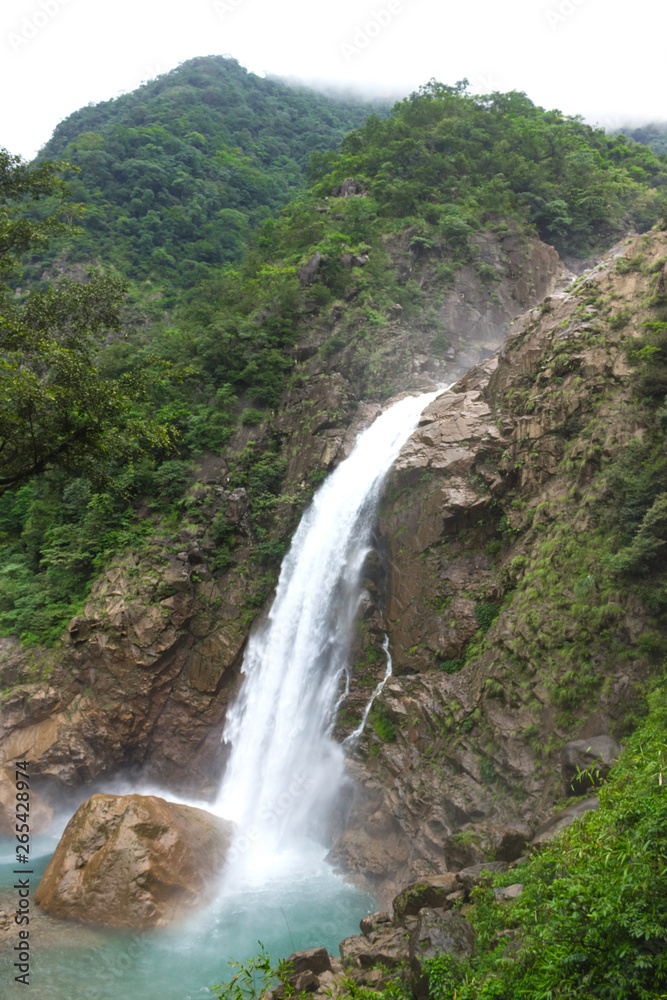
562, 819
134, 861
508, 639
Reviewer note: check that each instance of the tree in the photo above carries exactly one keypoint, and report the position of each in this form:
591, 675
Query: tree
58, 408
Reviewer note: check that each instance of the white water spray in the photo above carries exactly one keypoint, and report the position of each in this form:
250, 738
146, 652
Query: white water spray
284, 769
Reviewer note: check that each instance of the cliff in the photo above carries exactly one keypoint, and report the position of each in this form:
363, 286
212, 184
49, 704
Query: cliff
515, 626
142, 677
512, 630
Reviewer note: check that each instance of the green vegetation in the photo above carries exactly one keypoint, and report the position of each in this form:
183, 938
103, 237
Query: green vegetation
653, 134
159, 172
175, 175
255, 979
447, 161
382, 723
59, 407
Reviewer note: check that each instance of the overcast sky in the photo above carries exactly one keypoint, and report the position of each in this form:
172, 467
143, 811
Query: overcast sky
603, 59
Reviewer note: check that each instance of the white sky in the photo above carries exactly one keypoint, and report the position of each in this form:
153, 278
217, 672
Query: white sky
603, 59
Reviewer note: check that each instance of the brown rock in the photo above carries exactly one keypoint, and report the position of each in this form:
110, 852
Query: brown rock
315, 960
475, 843
374, 922
474, 875
133, 861
389, 949
352, 949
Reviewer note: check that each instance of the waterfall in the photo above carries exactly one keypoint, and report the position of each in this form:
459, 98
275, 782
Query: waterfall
351, 740
284, 769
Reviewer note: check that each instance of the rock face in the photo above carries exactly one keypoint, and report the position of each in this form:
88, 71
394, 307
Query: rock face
144, 675
547, 831
134, 861
509, 640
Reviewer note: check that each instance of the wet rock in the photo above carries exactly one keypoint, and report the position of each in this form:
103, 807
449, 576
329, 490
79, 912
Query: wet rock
134, 861
586, 763
374, 844
438, 932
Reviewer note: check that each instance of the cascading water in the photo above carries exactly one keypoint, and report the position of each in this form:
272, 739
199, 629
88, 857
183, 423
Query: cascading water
283, 775
284, 769
351, 740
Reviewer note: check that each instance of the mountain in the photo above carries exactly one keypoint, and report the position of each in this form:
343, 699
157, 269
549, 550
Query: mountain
518, 558
175, 175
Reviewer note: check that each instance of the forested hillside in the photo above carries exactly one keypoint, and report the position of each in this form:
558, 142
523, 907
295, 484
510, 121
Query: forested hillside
653, 134
176, 380
175, 175
443, 170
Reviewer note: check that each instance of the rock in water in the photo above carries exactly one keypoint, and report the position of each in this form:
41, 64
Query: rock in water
134, 861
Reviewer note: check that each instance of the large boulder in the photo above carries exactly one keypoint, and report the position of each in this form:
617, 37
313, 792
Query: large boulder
476, 843
438, 932
134, 861
585, 764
